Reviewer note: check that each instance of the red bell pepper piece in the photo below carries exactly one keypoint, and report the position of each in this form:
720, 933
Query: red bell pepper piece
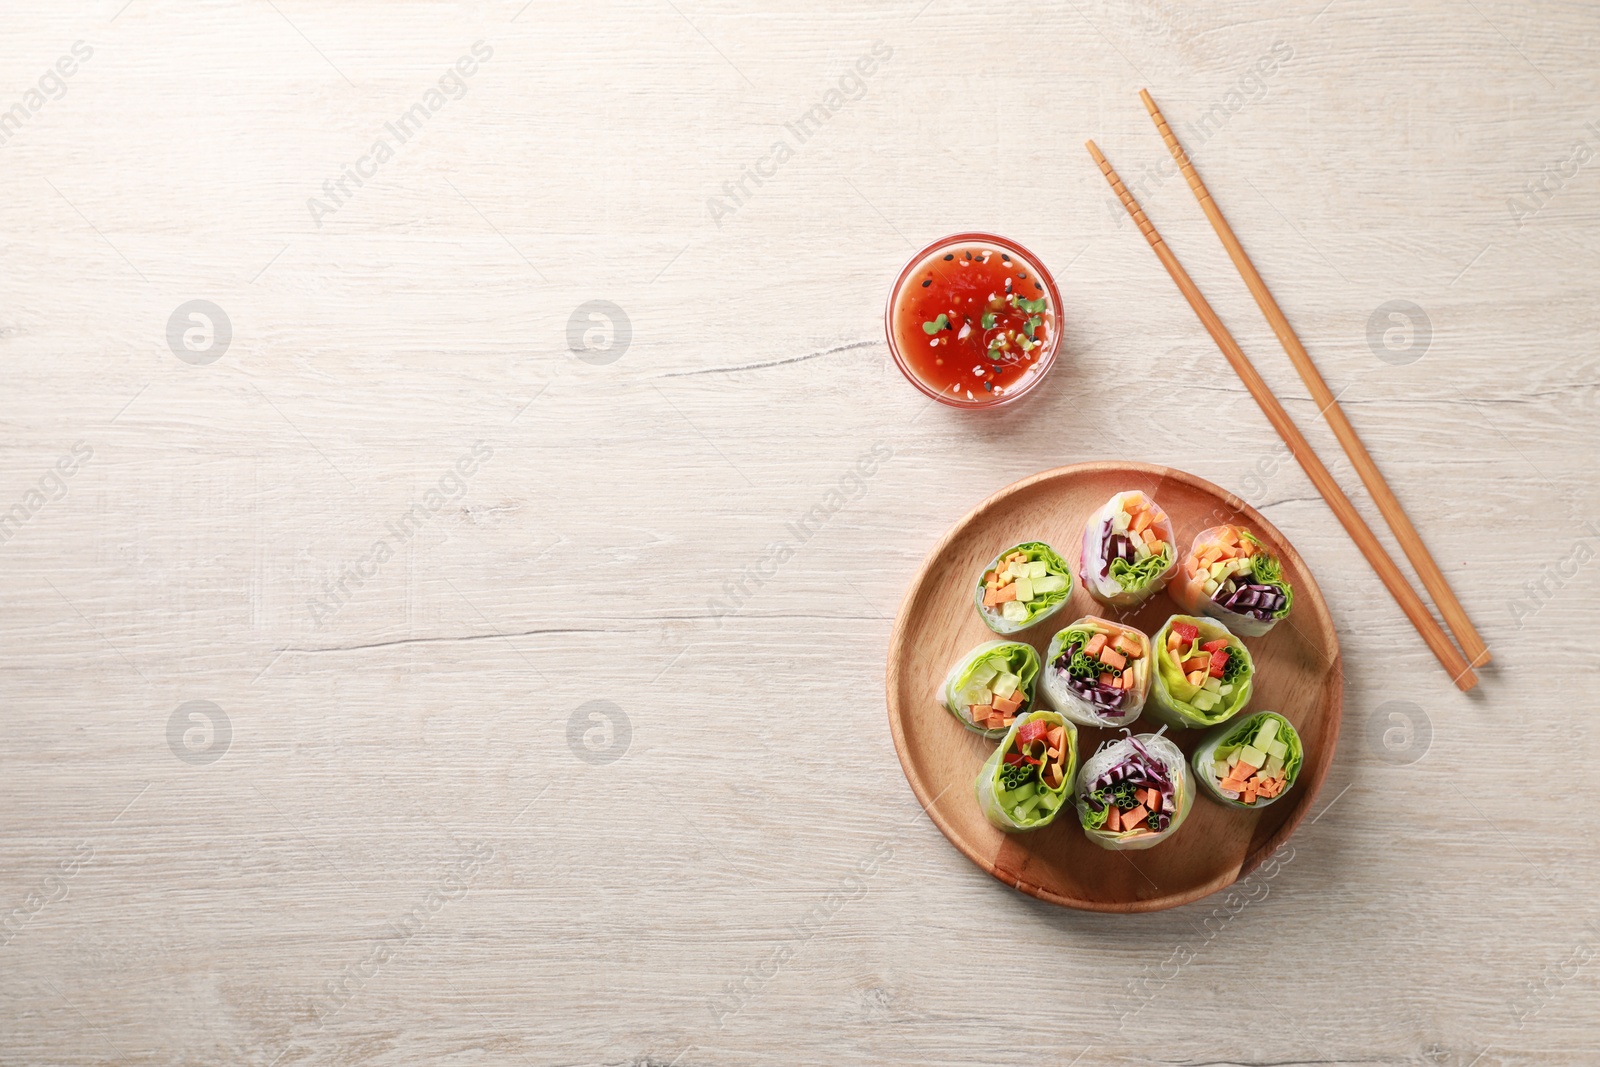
1219, 660
1031, 731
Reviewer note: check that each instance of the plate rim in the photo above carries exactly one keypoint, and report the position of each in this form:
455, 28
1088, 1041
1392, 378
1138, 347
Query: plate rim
1257, 855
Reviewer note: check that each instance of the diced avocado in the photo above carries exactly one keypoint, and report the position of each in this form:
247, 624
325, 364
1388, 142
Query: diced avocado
1212, 685
1211, 586
1253, 756
1141, 550
1038, 569
982, 673
1268, 731
1276, 749
1006, 684
1024, 589
1119, 522
1014, 611
1221, 768
1274, 767
1233, 757
1050, 583
979, 695
1220, 570
1203, 700
1224, 690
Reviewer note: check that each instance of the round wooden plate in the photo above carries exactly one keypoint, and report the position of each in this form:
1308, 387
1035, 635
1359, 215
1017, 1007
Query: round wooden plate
1297, 675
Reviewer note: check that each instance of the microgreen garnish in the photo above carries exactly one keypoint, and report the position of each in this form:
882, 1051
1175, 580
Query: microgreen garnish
940, 323
1031, 306
988, 320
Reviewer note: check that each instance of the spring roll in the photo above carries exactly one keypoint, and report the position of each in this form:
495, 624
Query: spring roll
1097, 672
1129, 551
991, 687
1229, 575
1134, 792
1203, 673
1249, 763
1023, 585
1026, 780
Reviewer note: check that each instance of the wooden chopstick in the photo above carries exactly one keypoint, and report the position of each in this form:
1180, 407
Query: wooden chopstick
1455, 616
1415, 610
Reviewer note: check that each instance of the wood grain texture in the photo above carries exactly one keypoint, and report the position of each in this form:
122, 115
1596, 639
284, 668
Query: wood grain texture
752, 880
1297, 674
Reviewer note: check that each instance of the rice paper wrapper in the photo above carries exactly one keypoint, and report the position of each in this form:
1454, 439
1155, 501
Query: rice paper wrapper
1023, 661
1094, 569
1166, 706
988, 786
1165, 752
1046, 606
1189, 592
1234, 735
1080, 707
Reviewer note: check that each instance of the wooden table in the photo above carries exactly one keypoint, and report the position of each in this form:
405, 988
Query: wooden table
460, 638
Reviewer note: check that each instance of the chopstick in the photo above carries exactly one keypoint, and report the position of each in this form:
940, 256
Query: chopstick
1455, 616
1415, 610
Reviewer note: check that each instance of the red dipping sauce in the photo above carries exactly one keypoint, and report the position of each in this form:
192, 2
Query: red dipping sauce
973, 320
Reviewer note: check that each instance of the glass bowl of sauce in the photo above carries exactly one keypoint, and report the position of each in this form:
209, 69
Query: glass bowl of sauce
974, 320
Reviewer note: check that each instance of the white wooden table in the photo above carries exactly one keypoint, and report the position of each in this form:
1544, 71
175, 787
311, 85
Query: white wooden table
533, 730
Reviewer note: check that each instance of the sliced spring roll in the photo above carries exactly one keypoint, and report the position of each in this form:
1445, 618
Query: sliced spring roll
1249, 763
1023, 585
1203, 673
1097, 672
1134, 792
1026, 781
1229, 575
1129, 551
991, 686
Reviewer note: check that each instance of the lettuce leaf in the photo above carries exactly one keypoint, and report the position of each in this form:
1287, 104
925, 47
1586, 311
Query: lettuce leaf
1135, 576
